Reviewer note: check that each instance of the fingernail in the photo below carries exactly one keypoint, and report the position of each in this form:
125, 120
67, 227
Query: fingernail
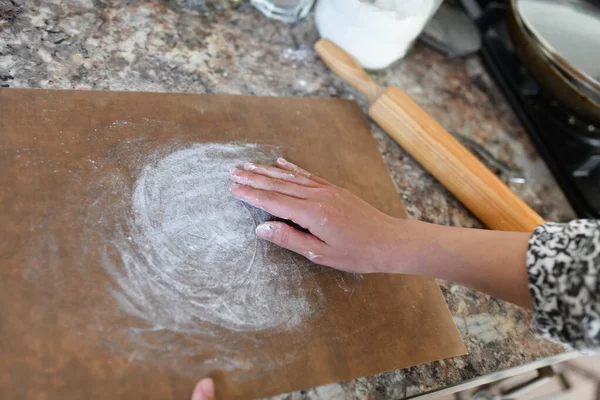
264, 230
204, 390
234, 171
207, 387
249, 166
197, 395
282, 160
240, 195
238, 178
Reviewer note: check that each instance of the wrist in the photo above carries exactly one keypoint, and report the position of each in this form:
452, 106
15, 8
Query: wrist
410, 242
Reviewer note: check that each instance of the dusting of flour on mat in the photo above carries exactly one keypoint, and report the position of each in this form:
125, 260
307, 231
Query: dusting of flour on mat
190, 258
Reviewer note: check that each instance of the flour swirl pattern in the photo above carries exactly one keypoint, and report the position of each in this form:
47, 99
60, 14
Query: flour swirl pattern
190, 258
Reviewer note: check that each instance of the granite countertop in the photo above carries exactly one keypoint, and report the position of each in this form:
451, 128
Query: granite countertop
220, 47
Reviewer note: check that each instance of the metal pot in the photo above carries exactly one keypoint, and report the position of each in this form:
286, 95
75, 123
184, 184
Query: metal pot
557, 73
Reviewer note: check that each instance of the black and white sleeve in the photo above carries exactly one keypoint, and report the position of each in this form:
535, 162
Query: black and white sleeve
563, 262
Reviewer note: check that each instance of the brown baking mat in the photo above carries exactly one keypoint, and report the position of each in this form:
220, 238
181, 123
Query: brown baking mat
69, 162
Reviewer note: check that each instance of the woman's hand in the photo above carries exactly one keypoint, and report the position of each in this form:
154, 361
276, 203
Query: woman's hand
345, 232
348, 234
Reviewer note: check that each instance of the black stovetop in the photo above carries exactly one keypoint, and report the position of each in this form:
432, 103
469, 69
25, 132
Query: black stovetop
569, 145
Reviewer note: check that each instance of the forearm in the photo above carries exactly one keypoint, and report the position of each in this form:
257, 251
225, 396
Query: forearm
492, 262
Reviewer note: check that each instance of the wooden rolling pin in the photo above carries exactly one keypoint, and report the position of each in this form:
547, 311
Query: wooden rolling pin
486, 196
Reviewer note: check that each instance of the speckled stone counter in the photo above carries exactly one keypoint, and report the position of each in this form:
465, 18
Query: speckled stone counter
190, 46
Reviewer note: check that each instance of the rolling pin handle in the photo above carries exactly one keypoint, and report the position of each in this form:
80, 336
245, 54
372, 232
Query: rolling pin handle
482, 192
347, 68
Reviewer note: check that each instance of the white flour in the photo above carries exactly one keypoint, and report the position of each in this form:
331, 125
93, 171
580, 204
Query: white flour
191, 261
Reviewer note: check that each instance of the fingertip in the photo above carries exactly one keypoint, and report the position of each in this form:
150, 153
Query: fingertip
239, 177
204, 390
235, 175
239, 192
285, 164
207, 387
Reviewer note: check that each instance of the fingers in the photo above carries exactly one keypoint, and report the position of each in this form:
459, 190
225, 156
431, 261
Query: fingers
204, 390
278, 173
292, 239
277, 204
267, 183
288, 166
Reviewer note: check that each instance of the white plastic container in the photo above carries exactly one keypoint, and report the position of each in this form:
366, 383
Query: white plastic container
375, 32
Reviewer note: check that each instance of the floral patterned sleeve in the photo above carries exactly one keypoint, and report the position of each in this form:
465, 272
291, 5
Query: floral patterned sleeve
563, 261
